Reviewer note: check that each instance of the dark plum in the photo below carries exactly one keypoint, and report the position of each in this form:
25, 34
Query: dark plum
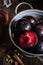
39, 47
23, 25
39, 29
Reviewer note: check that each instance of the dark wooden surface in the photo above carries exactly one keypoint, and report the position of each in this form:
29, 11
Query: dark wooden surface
7, 44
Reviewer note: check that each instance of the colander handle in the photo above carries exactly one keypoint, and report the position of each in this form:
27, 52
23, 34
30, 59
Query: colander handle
16, 9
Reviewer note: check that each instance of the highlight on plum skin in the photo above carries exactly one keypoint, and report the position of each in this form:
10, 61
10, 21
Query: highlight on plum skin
28, 39
31, 19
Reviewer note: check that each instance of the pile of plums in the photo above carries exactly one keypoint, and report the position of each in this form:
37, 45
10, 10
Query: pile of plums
30, 32
3, 23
